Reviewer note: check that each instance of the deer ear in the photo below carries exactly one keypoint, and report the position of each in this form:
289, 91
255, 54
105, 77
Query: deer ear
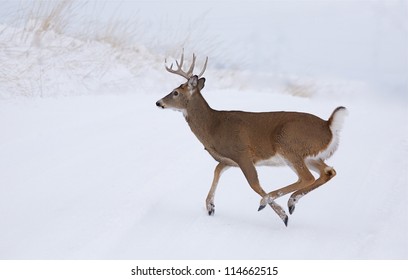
201, 83
192, 82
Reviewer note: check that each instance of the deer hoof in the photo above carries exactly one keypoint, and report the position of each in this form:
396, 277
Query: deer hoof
291, 209
294, 198
264, 201
211, 209
261, 207
285, 220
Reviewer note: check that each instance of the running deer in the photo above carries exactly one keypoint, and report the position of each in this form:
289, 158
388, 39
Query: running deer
246, 139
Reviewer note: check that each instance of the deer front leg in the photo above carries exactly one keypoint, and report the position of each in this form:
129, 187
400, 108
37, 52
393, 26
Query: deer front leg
251, 175
209, 202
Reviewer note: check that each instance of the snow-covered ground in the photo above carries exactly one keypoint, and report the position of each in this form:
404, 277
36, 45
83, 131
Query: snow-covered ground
91, 169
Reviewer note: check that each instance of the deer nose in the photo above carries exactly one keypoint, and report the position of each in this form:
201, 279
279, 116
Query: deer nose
159, 104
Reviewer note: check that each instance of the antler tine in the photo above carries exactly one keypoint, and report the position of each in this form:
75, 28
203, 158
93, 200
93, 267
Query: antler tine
179, 71
191, 69
167, 68
181, 61
205, 66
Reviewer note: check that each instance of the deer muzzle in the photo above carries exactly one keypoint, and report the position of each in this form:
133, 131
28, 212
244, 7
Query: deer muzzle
160, 104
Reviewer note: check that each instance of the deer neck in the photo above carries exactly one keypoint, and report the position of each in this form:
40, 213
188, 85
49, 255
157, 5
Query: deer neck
199, 117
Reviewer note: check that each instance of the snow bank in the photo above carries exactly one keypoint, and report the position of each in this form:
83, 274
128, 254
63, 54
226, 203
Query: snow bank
44, 64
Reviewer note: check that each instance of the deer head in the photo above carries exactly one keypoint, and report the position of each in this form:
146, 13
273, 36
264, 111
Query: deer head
179, 98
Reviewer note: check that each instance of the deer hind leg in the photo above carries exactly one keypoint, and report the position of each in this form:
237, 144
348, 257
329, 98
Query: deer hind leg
251, 175
305, 178
326, 173
209, 202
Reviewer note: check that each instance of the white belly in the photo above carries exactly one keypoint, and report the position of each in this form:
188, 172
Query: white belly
276, 160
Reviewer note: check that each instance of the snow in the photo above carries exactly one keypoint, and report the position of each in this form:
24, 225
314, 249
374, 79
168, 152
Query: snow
91, 169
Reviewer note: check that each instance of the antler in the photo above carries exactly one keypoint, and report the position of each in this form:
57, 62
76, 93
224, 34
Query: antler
179, 70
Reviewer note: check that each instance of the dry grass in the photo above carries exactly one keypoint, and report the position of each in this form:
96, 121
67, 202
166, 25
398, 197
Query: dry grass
300, 89
46, 50
33, 52
64, 17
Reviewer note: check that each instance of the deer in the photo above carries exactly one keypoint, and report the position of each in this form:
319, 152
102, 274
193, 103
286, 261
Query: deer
242, 139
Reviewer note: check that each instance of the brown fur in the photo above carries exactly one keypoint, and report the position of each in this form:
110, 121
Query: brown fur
245, 139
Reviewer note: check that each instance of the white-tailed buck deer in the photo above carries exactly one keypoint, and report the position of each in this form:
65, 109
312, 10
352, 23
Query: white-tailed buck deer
244, 139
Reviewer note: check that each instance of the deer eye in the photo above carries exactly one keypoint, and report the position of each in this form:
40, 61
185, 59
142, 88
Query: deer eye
175, 93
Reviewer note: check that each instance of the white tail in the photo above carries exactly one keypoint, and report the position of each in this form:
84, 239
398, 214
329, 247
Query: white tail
244, 139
